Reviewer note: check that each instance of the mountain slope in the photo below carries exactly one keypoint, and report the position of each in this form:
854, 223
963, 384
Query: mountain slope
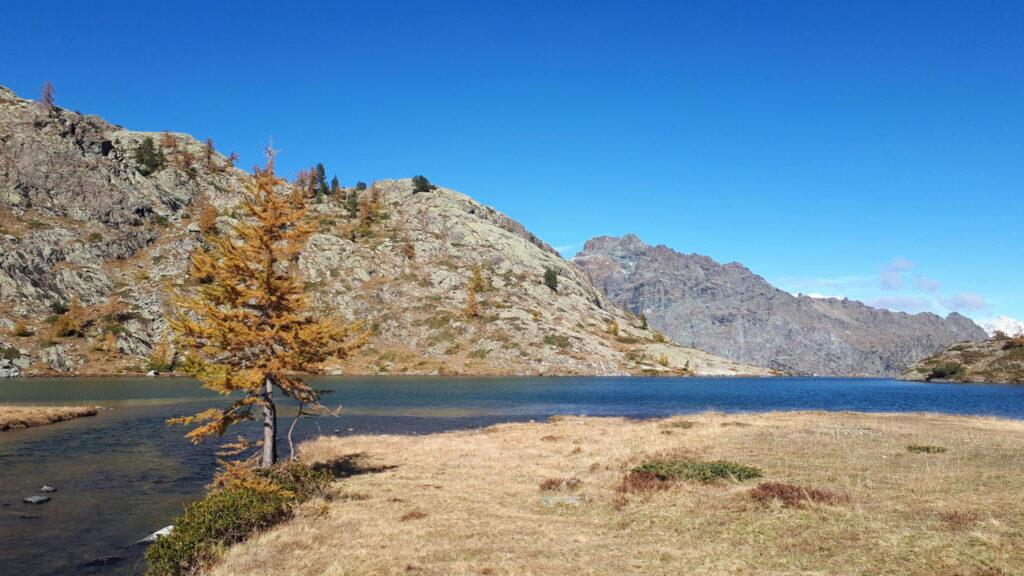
82, 227
729, 311
997, 360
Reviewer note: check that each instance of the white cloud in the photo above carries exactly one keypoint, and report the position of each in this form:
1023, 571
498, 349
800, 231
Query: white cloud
964, 302
909, 304
891, 277
1005, 324
927, 284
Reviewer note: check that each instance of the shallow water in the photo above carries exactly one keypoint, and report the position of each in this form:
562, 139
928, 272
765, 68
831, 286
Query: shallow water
123, 474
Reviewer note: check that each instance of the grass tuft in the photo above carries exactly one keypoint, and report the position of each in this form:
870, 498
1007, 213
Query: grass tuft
925, 449
793, 496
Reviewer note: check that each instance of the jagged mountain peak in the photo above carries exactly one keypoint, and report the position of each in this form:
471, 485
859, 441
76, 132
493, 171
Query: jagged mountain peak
729, 310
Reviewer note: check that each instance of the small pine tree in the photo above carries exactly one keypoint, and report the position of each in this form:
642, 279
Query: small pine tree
476, 285
321, 181
208, 151
233, 158
335, 187
643, 321
352, 203
421, 184
208, 218
148, 158
46, 95
360, 186
551, 278
73, 322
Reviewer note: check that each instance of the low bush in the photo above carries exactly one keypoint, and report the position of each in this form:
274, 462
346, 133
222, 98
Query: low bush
560, 484
792, 496
551, 279
237, 506
925, 449
698, 471
946, 370
557, 341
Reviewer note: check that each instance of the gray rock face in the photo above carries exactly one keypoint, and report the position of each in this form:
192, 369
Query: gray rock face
79, 222
730, 311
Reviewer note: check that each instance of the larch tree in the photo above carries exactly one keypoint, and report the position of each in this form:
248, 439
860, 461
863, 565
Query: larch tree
245, 325
46, 95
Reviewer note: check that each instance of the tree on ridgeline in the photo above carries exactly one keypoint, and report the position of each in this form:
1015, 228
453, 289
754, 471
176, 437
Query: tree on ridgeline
245, 324
421, 184
46, 96
208, 151
321, 181
335, 187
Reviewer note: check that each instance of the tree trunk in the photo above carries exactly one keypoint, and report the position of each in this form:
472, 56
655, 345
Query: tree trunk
269, 424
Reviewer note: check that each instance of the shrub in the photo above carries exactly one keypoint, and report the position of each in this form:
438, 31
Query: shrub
558, 484
9, 353
241, 505
792, 496
946, 370
22, 330
925, 449
557, 341
643, 321
698, 471
663, 360
612, 328
641, 482
161, 220
360, 186
421, 184
148, 158
659, 337
37, 225
551, 278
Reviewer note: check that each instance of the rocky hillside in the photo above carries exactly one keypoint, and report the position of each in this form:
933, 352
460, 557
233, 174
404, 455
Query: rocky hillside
730, 311
998, 360
97, 222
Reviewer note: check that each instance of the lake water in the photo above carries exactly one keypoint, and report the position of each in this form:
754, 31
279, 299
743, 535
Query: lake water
123, 474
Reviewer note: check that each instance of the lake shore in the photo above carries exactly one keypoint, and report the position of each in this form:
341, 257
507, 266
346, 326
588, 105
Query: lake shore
13, 417
916, 494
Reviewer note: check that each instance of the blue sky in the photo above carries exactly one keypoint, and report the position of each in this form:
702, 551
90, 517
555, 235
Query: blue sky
873, 150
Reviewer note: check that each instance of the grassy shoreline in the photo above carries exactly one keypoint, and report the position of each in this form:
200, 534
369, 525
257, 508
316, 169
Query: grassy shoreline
842, 493
14, 417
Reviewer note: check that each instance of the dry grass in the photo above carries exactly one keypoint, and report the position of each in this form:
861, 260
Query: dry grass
895, 512
27, 416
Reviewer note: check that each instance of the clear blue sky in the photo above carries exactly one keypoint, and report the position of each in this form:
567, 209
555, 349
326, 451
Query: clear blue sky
867, 149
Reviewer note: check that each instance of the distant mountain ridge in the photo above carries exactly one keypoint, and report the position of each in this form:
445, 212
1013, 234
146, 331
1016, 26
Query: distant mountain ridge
730, 311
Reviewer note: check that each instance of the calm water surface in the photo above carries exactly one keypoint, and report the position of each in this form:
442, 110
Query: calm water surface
123, 474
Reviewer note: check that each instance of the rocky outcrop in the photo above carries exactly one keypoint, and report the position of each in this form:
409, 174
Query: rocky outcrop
730, 311
999, 360
82, 225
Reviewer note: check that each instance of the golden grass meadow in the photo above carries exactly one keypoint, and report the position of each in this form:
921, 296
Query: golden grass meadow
840, 493
27, 416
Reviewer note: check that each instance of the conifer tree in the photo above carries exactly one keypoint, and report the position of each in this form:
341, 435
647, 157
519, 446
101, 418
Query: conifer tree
335, 186
476, 285
352, 203
46, 95
208, 151
245, 324
321, 181
148, 159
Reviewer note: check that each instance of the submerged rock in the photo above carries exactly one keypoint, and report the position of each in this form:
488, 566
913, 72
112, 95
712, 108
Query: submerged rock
105, 561
36, 499
47, 488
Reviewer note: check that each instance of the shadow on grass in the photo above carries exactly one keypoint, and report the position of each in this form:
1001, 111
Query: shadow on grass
351, 465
